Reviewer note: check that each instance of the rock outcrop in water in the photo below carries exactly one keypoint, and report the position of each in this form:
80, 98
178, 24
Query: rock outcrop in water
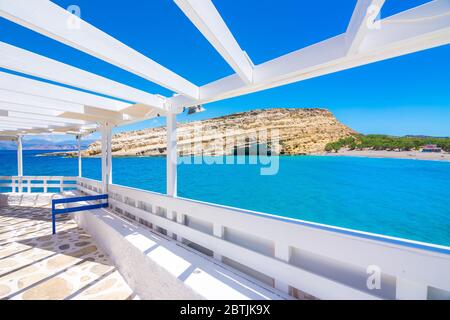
299, 131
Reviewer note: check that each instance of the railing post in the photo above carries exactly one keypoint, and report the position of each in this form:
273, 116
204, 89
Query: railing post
282, 252
170, 215
45, 185
53, 218
19, 184
13, 183
218, 231
409, 290
29, 185
181, 218
19, 162
19, 156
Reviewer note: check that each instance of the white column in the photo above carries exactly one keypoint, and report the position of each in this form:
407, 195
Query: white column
106, 131
19, 156
171, 163
171, 122
19, 161
79, 156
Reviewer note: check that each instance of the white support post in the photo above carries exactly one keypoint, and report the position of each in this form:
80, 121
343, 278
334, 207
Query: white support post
181, 219
79, 156
106, 132
218, 232
409, 290
171, 215
171, 122
19, 161
282, 252
171, 159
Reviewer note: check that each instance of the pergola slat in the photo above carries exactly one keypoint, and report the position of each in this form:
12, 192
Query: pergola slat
36, 102
20, 60
204, 15
31, 122
58, 119
16, 124
30, 110
50, 20
33, 87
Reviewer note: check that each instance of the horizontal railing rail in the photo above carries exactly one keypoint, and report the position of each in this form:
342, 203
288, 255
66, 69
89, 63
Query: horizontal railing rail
41, 183
56, 211
289, 254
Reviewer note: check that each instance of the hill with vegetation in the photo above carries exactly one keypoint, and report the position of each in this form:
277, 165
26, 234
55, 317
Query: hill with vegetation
385, 142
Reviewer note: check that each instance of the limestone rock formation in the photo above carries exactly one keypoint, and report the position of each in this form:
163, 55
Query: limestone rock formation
298, 131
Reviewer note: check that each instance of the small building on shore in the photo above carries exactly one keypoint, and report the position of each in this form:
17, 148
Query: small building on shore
431, 148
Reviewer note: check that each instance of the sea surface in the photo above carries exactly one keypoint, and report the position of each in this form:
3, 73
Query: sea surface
402, 198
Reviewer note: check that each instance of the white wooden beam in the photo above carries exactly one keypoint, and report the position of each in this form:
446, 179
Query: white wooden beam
361, 22
19, 123
72, 112
417, 29
13, 127
204, 15
30, 110
50, 20
36, 102
18, 117
47, 119
33, 87
27, 62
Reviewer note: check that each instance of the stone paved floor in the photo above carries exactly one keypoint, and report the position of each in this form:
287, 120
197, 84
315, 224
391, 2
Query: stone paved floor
37, 265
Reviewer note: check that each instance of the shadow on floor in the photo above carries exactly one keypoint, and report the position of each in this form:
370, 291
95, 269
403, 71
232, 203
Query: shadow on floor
34, 264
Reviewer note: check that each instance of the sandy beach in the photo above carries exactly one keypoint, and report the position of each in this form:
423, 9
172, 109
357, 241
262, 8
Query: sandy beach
417, 155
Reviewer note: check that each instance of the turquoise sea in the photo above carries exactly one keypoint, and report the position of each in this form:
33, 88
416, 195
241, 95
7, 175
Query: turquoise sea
403, 198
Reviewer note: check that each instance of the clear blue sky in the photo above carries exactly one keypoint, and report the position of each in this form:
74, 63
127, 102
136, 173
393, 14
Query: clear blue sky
406, 95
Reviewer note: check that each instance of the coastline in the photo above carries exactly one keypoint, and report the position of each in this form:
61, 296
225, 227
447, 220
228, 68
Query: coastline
414, 155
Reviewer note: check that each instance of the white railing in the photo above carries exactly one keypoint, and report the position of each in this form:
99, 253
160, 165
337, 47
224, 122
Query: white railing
295, 256
42, 183
89, 186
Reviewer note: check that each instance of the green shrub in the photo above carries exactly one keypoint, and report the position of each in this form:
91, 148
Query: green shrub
385, 142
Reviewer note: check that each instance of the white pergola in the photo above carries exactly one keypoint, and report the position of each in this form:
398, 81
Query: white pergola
29, 107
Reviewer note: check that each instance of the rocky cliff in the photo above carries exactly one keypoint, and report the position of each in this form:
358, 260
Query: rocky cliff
299, 131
